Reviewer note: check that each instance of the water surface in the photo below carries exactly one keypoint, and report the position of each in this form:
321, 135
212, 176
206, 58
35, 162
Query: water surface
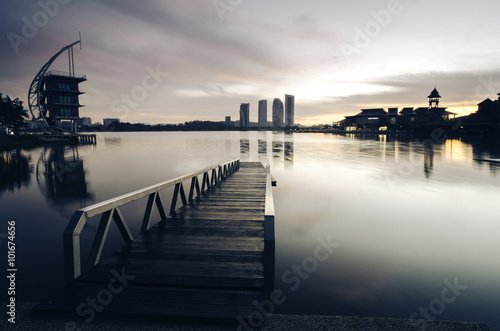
405, 218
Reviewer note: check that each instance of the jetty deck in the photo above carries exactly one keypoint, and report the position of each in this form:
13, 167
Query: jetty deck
207, 259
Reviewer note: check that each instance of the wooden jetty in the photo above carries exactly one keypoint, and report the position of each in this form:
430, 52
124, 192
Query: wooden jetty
72, 138
211, 258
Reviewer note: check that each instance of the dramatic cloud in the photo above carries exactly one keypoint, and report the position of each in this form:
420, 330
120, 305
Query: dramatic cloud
335, 56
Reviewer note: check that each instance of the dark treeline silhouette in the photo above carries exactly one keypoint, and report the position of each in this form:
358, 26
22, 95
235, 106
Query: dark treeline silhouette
187, 126
12, 115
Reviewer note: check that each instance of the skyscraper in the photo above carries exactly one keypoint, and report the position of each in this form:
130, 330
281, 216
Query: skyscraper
277, 113
244, 115
262, 113
289, 110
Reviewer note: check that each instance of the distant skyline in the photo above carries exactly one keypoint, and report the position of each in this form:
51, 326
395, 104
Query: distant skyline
175, 61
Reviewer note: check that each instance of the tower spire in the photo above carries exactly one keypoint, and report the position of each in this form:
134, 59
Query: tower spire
434, 98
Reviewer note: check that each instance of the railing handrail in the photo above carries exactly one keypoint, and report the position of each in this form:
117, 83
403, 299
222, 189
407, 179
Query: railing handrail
100, 207
65, 74
109, 210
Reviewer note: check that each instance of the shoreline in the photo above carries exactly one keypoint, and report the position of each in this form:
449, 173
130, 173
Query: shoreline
26, 321
30, 141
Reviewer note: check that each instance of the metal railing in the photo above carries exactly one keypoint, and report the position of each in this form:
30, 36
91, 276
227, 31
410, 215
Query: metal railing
110, 210
65, 74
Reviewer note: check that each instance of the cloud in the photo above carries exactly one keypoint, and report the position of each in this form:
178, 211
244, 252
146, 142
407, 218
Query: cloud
260, 50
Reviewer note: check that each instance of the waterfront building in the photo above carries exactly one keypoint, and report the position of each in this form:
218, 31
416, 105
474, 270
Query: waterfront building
53, 96
228, 121
486, 118
60, 97
368, 118
408, 117
392, 116
277, 113
262, 114
244, 115
289, 110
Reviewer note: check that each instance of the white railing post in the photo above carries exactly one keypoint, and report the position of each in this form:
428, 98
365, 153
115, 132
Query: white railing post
269, 224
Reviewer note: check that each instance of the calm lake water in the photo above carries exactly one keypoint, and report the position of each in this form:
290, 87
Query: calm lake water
412, 226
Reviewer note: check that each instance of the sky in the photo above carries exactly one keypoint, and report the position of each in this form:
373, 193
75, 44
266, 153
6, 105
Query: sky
174, 61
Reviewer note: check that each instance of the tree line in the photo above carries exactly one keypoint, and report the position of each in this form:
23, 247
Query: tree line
12, 115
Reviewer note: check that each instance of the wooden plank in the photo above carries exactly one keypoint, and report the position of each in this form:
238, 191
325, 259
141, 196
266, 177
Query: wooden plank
173, 280
225, 257
227, 254
246, 246
206, 260
191, 268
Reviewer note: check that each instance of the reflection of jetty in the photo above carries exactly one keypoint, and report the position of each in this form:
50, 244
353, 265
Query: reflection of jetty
496, 161
211, 258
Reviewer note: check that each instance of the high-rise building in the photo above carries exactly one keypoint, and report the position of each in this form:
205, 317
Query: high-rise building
244, 115
84, 121
289, 110
262, 113
228, 121
277, 113
109, 121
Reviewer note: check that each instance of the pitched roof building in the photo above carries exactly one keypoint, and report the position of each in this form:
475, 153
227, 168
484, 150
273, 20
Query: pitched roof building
408, 117
487, 116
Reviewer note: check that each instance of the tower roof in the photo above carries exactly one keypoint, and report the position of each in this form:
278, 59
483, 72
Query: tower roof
434, 94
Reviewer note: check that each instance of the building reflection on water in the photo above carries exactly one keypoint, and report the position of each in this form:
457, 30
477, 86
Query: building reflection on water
428, 159
244, 146
289, 153
415, 154
484, 149
262, 147
61, 177
15, 170
276, 147
410, 155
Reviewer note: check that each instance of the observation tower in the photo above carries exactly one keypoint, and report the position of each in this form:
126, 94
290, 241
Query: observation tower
54, 95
